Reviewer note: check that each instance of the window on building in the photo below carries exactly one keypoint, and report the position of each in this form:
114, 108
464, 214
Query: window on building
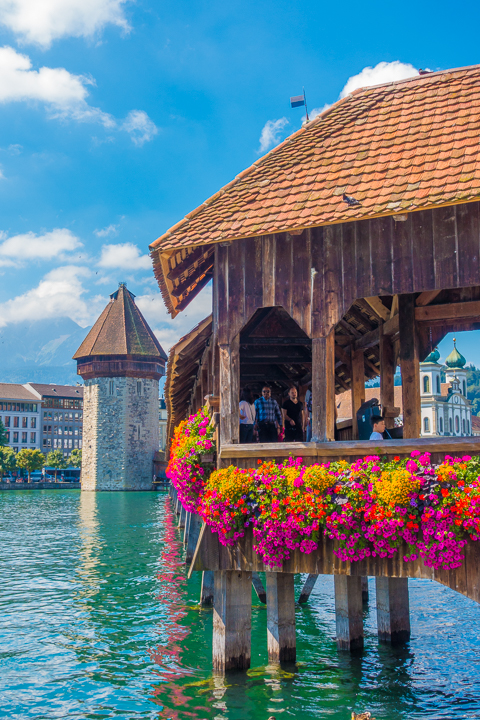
468, 427
24, 422
439, 391
464, 428
7, 421
49, 442
15, 449
79, 443
426, 384
33, 422
24, 438
111, 390
426, 423
44, 442
450, 425
76, 431
75, 443
59, 430
457, 424
16, 422
15, 437
70, 443
440, 425
139, 387
76, 416
33, 438
8, 437
464, 385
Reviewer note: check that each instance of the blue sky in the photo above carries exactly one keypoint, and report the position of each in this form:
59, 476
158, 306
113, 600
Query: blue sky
118, 117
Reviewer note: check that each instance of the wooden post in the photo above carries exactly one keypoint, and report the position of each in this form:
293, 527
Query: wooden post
193, 533
348, 611
181, 519
409, 364
281, 637
364, 590
258, 587
393, 617
229, 392
358, 387
323, 388
187, 528
232, 620
387, 376
207, 591
307, 588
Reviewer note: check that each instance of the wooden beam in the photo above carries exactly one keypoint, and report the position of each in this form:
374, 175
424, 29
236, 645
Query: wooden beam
369, 364
307, 588
387, 373
378, 307
350, 329
393, 616
229, 392
281, 638
252, 341
193, 258
343, 356
232, 620
207, 590
410, 367
349, 612
425, 298
358, 387
370, 339
451, 311
180, 289
391, 326
323, 388
394, 308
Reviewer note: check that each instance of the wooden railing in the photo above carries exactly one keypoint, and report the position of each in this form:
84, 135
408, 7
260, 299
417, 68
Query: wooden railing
248, 455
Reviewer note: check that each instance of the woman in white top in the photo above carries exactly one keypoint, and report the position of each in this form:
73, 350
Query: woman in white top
247, 417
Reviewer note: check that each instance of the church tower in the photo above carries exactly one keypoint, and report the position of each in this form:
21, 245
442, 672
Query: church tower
121, 362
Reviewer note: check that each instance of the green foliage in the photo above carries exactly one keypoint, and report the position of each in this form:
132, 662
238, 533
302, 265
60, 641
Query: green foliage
3, 435
473, 388
8, 461
75, 459
30, 460
57, 461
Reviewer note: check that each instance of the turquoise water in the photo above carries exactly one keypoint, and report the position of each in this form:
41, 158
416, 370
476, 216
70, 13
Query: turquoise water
98, 620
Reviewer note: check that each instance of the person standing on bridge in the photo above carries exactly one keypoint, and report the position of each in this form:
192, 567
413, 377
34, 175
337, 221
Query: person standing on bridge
268, 416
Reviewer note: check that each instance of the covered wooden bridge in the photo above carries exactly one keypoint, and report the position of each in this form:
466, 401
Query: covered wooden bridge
351, 248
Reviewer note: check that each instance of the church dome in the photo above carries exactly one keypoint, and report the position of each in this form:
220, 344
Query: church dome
455, 360
434, 357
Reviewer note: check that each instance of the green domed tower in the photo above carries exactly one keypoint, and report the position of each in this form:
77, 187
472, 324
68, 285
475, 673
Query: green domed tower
455, 368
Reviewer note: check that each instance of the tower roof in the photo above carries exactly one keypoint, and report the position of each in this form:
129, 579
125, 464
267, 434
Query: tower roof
121, 329
455, 360
434, 357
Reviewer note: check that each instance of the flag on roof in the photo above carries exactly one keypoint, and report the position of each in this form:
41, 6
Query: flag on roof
297, 101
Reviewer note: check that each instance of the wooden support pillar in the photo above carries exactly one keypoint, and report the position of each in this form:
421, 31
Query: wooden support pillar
181, 518
393, 615
358, 387
187, 528
364, 590
178, 506
348, 611
207, 591
323, 388
387, 376
193, 534
232, 620
258, 587
230, 392
307, 588
281, 638
409, 365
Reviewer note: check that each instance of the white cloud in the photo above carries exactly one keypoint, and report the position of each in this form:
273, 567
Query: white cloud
63, 94
139, 126
169, 331
270, 134
58, 294
42, 21
125, 256
107, 231
318, 111
382, 73
29, 246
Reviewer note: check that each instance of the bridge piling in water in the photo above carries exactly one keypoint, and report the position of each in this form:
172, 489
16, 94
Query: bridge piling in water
281, 635
258, 587
365, 590
232, 620
207, 591
393, 615
348, 612
307, 588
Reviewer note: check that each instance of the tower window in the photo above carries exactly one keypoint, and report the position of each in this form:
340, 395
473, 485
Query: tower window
450, 425
111, 387
464, 384
438, 386
426, 384
457, 424
426, 423
441, 425
468, 427
463, 427
139, 387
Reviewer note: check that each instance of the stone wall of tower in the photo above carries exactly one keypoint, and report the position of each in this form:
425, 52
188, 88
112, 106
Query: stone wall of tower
120, 433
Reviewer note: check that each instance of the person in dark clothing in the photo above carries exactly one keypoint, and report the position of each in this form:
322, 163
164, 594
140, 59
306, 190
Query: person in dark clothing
268, 417
294, 417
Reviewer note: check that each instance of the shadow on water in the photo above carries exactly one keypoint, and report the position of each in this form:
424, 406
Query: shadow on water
98, 620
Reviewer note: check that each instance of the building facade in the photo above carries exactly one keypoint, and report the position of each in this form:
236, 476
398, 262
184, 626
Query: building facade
121, 362
20, 412
61, 426
446, 409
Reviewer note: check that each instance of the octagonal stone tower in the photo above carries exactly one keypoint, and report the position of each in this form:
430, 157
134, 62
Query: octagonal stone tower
121, 362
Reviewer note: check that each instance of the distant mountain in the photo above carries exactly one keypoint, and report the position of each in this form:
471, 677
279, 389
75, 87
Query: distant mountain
40, 351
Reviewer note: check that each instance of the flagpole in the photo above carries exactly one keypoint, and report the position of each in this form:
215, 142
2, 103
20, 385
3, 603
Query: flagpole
306, 110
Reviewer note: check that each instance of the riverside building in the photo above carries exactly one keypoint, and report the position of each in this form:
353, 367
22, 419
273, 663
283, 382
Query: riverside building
61, 426
20, 413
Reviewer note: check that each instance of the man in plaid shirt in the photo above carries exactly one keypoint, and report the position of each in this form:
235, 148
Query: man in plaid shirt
268, 416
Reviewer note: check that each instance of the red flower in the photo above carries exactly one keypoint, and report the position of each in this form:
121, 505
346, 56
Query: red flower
397, 458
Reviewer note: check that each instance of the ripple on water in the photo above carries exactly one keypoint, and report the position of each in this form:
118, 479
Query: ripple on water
98, 620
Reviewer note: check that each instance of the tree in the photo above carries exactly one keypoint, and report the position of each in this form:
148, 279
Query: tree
30, 460
8, 460
75, 459
57, 461
3, 435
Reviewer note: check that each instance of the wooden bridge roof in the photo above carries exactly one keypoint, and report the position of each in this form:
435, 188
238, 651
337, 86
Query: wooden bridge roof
395, 148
